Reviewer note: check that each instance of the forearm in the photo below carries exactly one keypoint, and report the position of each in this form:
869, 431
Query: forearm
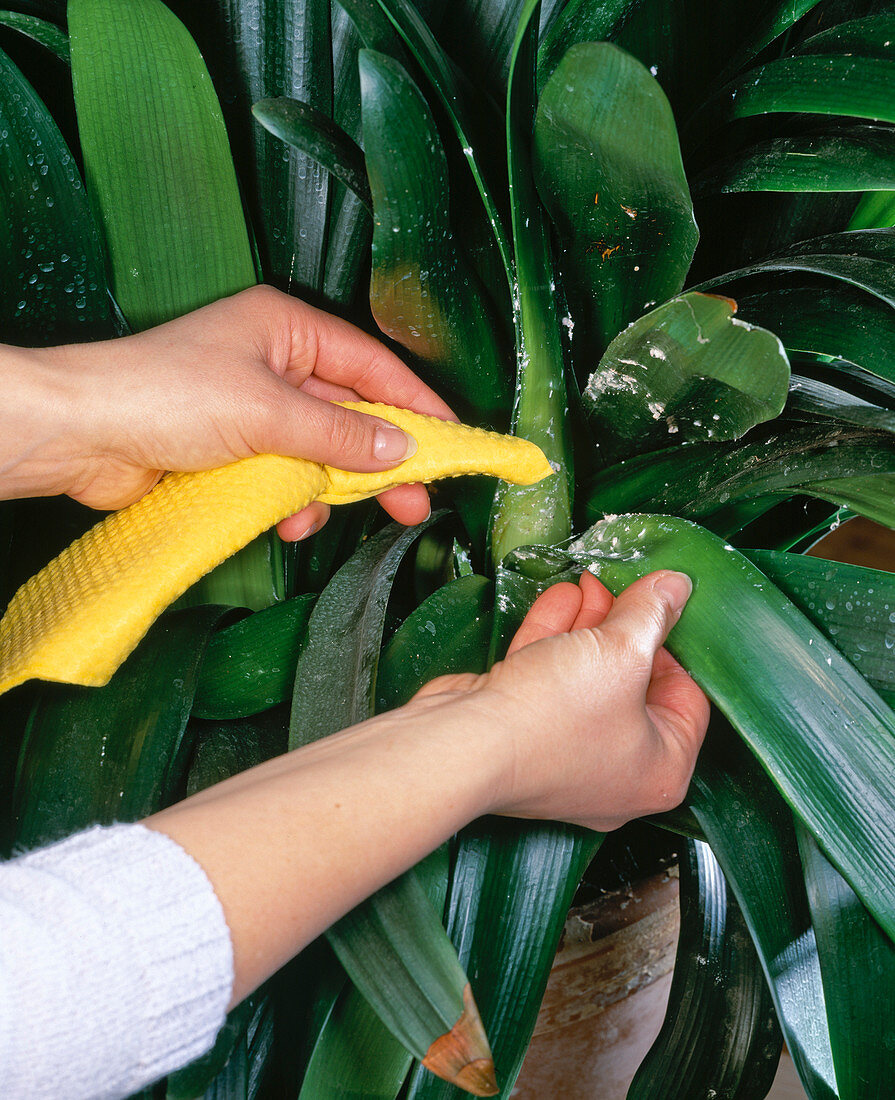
293, 845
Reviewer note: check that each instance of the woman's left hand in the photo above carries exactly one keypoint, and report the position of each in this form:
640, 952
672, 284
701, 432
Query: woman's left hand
251, 374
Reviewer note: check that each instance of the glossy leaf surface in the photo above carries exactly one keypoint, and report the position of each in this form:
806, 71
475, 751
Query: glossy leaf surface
250, 666
423, 293
720, 1036
690, 370
157, 161
831, 751
393, 946
40, 30
617, 194
861, 158
51, 259
126, 742
315, 134
857, 962
750, 830
539, 513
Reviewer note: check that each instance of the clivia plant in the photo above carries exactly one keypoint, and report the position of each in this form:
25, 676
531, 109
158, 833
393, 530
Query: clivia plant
652, 236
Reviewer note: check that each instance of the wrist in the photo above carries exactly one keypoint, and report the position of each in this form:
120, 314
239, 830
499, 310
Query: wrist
39, 453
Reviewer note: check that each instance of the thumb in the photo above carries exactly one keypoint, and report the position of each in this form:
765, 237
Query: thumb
305, 426
644, 613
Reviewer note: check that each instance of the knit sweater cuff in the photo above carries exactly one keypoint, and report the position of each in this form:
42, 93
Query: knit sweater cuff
117, 964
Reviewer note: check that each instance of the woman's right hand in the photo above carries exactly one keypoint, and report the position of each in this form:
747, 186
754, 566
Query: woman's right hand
595, 721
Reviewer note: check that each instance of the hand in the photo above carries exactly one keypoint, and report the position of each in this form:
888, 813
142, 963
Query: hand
602, 723
252, 374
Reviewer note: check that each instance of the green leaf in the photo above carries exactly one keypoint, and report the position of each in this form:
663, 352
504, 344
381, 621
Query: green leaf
837, 320
39, 30
875, 210
127, 743
250, 666
315, 134
872, 36
539, 513
857, 963
689, 368
871, 496
355, 1056
422, 291
720, 1036
449, 632
809, 399
51, 260
750, 830
864, 259
857, 158
617, 194
580, 21
465, 111
780, 458
157, 161
822, 733
511, 888
393, 945
858, 87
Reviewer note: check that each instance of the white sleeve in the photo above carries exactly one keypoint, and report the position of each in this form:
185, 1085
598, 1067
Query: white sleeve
116, 965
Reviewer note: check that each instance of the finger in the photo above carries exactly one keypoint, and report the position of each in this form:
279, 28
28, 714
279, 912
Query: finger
553, 612
643, 615
596, 602
408, 504
303, 524
328, 391
339, 352
298, 424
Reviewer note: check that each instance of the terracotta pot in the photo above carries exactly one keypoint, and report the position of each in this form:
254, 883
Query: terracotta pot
606, 997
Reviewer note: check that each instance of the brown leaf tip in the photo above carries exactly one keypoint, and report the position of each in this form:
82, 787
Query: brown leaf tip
462, 1055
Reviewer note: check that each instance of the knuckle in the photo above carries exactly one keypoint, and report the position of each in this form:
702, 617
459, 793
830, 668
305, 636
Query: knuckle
347, 433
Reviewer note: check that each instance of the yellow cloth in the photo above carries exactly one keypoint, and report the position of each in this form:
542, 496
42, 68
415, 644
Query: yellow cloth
79, 618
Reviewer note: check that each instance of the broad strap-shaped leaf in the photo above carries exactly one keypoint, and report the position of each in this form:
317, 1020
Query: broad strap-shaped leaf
857, 963
465, 115
864, 259
250, 666
449, 632
157, 160
617, 193
689, 370
750, 830
720, 1034
580, 21
875, 210
829, 746
511, 888
423, 292
393, 945
780, 459
541, 513
315, 134
854, 158
827, 319
258, 49
39, 30
809, 399
813, 84
51, 262
851, 604
126, 743
871, 36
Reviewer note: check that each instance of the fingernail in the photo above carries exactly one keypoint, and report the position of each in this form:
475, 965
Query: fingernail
313, 529
676, 588
393, 445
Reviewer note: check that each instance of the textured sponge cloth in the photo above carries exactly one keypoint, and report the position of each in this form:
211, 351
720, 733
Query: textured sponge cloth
80, 617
